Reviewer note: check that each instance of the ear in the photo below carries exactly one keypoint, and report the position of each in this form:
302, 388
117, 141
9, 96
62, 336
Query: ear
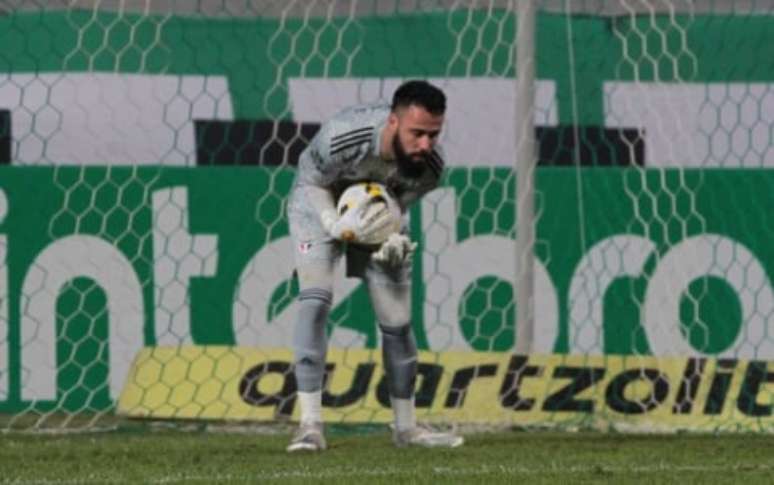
392, 120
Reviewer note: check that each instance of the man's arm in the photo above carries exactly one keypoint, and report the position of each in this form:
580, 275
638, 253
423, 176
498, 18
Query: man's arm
321, 168
317, 172
321, 200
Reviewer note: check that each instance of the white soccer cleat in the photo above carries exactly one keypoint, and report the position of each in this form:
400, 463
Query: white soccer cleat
308, 437
419, 436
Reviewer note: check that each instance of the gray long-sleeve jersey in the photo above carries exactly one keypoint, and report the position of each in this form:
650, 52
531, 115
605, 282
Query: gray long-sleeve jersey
346, 150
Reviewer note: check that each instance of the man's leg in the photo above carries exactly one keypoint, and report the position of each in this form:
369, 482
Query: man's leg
316, 257
310, 342
310, 345
390, 291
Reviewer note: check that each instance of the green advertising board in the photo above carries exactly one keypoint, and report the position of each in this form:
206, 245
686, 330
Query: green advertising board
258, 55
212, 245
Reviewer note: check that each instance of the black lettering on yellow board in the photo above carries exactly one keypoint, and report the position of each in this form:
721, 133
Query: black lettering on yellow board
721, 383
509, 391
564, 399
429, 375
689, 386
756, 375
357, 389
581, 378
615, 393
284, 400
461, 381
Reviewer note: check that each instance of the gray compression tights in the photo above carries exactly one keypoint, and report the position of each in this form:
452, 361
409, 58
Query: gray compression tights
399, 350
399, 354
390, 297
309, 339
390, 293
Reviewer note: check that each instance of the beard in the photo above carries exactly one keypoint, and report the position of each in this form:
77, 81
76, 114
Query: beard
407, 166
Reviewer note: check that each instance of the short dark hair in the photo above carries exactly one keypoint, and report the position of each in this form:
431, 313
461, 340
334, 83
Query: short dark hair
420, 93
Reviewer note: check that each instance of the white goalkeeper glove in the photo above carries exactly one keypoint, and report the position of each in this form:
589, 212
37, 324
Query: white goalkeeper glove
369, 224
395, 251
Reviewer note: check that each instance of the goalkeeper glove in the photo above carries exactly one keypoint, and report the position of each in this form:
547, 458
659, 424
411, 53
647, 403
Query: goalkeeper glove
395, 251
369, 224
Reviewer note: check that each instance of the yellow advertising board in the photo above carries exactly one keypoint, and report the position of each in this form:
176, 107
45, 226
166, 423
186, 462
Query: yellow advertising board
639, 392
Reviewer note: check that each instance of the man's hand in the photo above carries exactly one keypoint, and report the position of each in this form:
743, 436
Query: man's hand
368, 224
395, 251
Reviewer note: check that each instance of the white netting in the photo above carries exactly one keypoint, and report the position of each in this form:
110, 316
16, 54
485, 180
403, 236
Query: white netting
151, 146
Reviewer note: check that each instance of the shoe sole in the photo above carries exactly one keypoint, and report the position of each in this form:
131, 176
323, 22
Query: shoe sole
303, 447
454, 444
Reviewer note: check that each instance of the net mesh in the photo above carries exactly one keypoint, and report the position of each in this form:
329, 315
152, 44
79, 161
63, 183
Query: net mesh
150, 147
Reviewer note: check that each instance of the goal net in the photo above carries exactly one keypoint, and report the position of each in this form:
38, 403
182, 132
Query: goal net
147, 148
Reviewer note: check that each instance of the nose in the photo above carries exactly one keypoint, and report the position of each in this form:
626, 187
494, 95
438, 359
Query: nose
425, 144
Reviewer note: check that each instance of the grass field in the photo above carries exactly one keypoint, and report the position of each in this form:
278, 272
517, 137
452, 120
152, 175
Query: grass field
141, 454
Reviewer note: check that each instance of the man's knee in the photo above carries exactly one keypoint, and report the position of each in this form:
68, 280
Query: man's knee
320, 299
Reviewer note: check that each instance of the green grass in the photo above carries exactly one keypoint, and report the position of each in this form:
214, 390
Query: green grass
140, 454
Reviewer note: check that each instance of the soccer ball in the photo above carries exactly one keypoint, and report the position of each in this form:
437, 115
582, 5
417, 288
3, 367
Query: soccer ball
369, 212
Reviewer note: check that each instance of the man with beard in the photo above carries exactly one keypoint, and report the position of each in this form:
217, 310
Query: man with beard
394, 145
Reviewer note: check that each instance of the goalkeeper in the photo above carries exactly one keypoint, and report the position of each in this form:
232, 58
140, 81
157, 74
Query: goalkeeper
394, 145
